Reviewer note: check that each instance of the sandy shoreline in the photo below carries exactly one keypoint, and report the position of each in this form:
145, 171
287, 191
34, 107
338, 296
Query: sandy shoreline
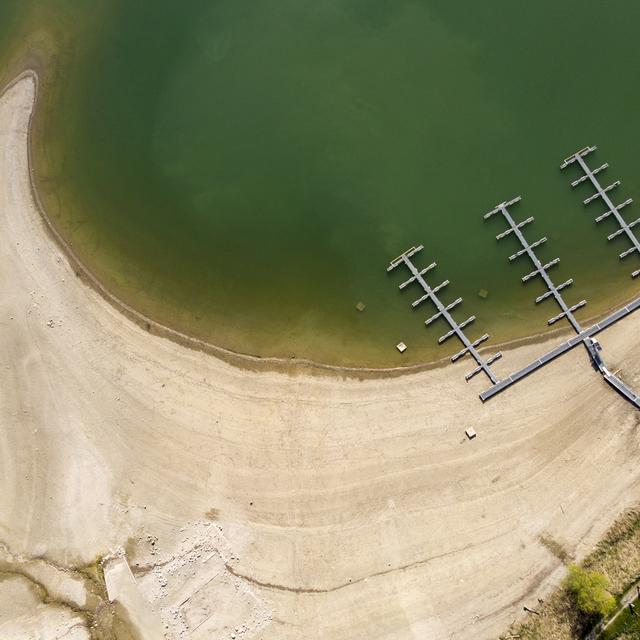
245, 360
266, 505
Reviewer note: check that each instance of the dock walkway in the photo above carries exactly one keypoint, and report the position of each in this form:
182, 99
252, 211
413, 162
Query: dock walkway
602, 192
540, 268
443, 310
567, 345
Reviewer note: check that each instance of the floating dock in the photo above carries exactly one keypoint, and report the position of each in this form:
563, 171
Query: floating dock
430, 293
553, 291
540, 269
602, 192
583, 336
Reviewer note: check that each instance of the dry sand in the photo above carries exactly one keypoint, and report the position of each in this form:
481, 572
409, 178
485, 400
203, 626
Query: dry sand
269, 505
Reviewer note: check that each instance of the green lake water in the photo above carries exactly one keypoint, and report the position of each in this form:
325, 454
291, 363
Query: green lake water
244, 171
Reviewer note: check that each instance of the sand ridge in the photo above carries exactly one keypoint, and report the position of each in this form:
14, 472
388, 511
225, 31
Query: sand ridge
327, 507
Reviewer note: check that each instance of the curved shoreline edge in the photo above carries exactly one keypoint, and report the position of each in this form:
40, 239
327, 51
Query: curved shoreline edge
292, 366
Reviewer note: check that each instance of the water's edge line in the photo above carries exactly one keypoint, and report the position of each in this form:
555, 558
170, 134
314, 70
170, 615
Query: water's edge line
240, 360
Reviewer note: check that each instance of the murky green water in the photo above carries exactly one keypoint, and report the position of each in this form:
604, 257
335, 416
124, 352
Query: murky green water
245, 171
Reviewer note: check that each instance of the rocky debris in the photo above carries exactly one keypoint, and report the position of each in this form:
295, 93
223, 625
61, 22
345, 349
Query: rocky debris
188, 585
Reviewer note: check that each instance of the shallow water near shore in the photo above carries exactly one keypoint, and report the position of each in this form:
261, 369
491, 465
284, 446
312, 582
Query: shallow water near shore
244, 173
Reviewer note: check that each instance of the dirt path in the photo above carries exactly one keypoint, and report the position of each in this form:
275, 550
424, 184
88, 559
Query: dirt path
263, 505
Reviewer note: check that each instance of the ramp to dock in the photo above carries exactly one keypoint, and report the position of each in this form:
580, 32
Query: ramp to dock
622, 389
594, 349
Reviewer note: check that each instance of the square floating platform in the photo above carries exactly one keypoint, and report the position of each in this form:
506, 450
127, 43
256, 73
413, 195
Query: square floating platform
401, 347
361, 306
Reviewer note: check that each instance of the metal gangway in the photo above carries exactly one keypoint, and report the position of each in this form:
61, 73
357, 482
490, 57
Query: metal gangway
430, 293
594, 349
602, 192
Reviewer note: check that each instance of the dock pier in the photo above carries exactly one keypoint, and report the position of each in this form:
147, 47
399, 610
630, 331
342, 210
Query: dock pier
583, 336
430, 293
540, 269
601, 192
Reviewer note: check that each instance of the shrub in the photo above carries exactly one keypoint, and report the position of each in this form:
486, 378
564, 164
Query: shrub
590, 592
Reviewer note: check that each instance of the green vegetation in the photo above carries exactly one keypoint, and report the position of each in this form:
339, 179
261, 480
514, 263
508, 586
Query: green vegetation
626, 626
617, 556
590, 592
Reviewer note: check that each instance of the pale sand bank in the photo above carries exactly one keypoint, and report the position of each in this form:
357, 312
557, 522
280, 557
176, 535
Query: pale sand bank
343, 508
